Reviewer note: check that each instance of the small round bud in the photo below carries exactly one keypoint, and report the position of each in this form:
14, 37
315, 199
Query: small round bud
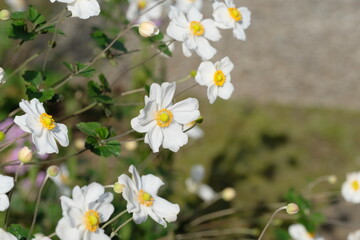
228, 194
79, 143
118, 188
2, 136
193, 73
148, 29
292, 208
130, 146
199, 120
5, 15
53, 171
25, 155
332, 179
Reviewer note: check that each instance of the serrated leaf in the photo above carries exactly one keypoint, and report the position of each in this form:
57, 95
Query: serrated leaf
18, 15
42, 95
89, 128
68, 66
51, 29
102, 147
18, 231
102, 41
35, 16
84, 70
96, 92
104, 83
18, 30
164, 49
102, 132
33, 77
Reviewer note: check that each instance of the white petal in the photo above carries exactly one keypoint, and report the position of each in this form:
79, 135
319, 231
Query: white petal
93, 192
4, 202
175, 31
105, 211
154, 138
6, 183
194, 14
246, 14
165, 209
140, 216
155, 93
225, 65
186, 111
226, 90
135, 176
29, 108
205, 74
84, 8
167, 94
212, 93
174, 138
37, 106
204, 49
222, 17
35, 125
239, 32
60, 132
206, 193
186, 51
21, 122
65, 232
45, 143
211, 32
129, 193
197, 173
99, 235
151, 184
6, 236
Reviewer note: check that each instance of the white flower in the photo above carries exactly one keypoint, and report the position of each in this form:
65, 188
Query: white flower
162, 121
193, 32
82, 8
227, 16
354, 235
17, 5
40, 236
142, 200
6, 184
42, 126
62, 180
194, 184
299, 232
350, 189
6, 236
2, 76
184, 5
142, 7
195, 132
217, 78
82, 214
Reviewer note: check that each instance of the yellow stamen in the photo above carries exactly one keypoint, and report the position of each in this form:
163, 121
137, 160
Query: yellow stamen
47, 121
92, 220
235, 14
142, 4
311, 235
196, 28
164, 118
219, 78
355, 185
145, 198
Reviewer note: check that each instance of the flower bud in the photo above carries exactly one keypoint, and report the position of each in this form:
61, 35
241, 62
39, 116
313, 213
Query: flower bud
118, 188
2, 136
148, 29
292, 208
79, 143
53, 171
193, 73
2, 76
130, 146
5, 15
199, 120
25, 155
228, 194
332, 179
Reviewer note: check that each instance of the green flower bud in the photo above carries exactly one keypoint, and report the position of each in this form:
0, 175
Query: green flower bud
2, 136
5, 15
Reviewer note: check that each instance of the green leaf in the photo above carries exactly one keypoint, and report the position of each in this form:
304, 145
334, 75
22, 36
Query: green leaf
19, 232
33, 77
102, 41
18, 30
18, 16
282, 234
35, 16
96, 92
84, 70
164, 49
103, 148
68, 66
52, 29
89, 128
42, 95
104, 83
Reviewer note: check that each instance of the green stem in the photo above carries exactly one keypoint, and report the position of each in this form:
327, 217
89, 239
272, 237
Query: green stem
270, 221
88, 107
121, 135
24, 64
37, 207
113, 219
122, 225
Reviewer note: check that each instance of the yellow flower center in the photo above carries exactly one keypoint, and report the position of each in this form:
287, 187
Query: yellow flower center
235, 14
142, 4
164, 118
311, 235
145, 198
219, 78
47, 121
92, 220
196, 28
355, 185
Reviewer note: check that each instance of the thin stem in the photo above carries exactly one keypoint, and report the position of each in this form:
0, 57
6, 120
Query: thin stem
187, 89
131, 92
216, 233
270, 220
211, 216
24, 64
52, 235
11, 193
8, 144
121, 135
184, 79
132, 140
37, 207
122, 225
114, 218
88, 107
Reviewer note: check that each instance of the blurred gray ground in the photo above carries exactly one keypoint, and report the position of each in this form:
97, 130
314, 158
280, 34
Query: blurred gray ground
303, 52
